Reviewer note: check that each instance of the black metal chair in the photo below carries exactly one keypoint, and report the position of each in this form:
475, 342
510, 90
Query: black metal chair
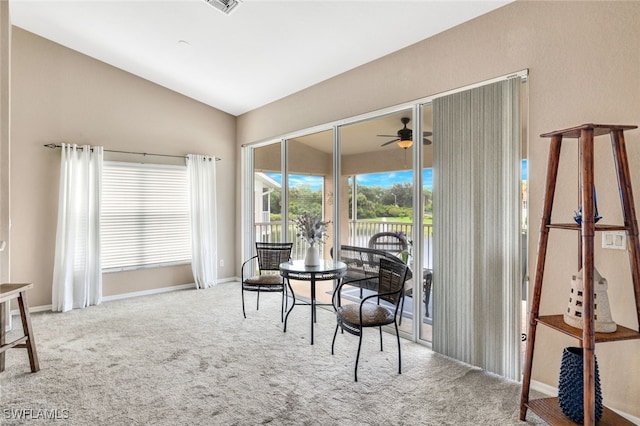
363, 262
268, 278
375, 310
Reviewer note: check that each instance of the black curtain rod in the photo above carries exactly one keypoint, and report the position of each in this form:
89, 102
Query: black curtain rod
54, 146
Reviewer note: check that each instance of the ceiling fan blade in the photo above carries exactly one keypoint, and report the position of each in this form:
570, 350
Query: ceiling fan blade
391, 141
388, 136
426, 141
427, 134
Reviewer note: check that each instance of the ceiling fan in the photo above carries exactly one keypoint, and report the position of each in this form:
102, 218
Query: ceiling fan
404, 138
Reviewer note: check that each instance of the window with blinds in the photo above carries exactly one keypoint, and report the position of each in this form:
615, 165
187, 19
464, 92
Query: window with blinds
145, 216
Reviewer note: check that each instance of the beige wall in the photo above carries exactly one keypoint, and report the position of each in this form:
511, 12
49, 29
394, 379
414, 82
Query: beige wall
59, 95
584, 63
5, 133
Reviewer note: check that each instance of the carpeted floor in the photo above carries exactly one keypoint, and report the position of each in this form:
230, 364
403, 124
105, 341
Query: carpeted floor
189, 358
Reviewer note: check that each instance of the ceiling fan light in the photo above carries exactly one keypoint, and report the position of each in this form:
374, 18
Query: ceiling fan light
405, 143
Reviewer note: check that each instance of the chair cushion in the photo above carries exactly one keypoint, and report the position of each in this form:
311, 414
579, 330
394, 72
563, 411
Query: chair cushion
269, 279
372, 315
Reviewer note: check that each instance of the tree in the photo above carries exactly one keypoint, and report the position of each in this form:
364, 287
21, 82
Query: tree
275, 198
428, 201
302, 199
368, 199
400, 194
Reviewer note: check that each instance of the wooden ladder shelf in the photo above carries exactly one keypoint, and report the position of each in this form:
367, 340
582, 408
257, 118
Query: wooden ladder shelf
548, 408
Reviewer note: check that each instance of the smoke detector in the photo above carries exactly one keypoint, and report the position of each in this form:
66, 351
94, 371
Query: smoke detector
224, 6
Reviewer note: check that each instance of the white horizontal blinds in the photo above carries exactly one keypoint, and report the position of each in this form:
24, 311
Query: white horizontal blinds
145, 215
477, 274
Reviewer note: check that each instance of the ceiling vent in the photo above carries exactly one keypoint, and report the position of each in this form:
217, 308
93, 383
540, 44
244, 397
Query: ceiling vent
225, 6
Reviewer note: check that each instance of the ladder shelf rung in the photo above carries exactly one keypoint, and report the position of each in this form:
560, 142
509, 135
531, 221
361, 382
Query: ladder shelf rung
576, 227
557, 323
548, 410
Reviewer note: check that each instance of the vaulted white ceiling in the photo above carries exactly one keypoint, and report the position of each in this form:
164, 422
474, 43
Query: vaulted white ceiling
261, 52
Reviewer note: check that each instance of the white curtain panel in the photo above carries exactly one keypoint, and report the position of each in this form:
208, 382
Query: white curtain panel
477, 237
202, 197
77, 273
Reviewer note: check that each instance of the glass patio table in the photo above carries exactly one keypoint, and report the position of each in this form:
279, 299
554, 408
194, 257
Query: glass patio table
297, 270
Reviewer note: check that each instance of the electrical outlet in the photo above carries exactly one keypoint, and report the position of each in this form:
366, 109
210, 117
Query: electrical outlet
221, 262
616, 240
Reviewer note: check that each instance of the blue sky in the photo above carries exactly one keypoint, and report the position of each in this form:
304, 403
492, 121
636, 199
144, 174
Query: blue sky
387, 179
383, 179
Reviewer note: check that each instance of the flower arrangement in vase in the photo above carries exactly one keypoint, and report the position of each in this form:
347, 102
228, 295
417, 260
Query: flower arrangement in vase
313, 230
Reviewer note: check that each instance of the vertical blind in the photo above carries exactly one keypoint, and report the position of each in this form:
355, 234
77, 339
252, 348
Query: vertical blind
145, 215
477, 243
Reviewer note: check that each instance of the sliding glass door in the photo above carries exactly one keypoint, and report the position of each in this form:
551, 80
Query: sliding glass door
309, 188
267, 194
309, 184
376, 190
427, 299
374, 177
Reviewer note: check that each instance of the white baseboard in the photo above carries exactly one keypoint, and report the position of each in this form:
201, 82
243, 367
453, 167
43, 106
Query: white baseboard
147, 292
160, 290
33, 309
121, 296
228, 280
544, 388
552, 392
632, 419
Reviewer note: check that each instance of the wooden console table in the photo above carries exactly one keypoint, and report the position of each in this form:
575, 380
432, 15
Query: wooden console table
7, 293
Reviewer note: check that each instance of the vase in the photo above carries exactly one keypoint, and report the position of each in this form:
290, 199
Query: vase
313, 256
571, 386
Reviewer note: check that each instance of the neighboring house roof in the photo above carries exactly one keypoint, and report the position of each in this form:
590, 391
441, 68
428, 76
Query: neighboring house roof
266, 181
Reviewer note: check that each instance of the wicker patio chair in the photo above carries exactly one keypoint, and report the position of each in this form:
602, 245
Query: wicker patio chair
375, 310
392, 242
396, 243
427, 281
362, 262
268, 278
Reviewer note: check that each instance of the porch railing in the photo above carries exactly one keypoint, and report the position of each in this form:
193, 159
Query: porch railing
359, 234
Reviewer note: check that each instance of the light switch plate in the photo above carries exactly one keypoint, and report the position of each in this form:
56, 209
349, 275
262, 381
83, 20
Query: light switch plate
616, 240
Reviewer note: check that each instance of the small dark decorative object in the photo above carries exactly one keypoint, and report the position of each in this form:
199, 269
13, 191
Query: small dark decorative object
596, 217
578, 216
571, 386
